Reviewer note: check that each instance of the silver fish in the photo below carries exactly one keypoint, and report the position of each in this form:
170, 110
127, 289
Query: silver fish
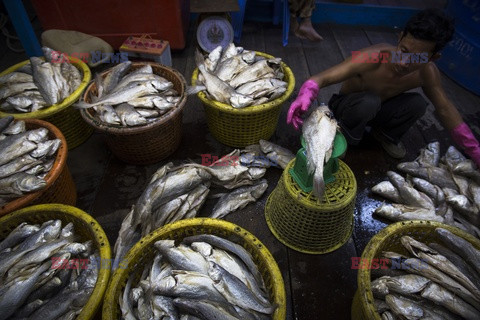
114, 76
410, 195
166, 306
213, 59
157, 81
15, 77
46, 291
15, 146
276, 153
6, 122
27, 68
235, 291
452, 157
18, 292
387, 190
397, 212
19, 183
61, 82
43, 77
232, 247
20, 164
435, 175
461, 204
422, 251
47, 148
252, 73
15, 127
71, 75
379, 287
182, 257
467, 169
16, 88
190, 285
129, 116
431, 190
407, 284
22, 231
474, 193
230, 67
131, 91
445, 298
460, 246
319, 131
28, 309
203, 309
107, 114
238, 199
192, 203
404, 307
430, 155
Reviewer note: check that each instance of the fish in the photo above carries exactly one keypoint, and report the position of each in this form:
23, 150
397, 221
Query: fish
19, 164
435, 175
409, 195
229, 68
22, 231
420, 267
404, 307
18, 292
5, 123
447, 299
430, 155
16, 88
433, 191
129, 116
379, 287
238, 199
254, 72
15, 77
213, 59
319, 131
113, 77
474, 193
27, 101
43, 78
46, 149
19, 183
387, 190
433, 258
459, 262
407, 284
276, 153
232, 247
182, 257
72, 76
453, 157
467, 169
235, 291
203, 309
460, 246
398, 212
461, 204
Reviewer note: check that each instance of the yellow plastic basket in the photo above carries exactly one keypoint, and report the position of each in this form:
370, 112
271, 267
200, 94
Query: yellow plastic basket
388, 239
144, 251
63, 115
85, 226
242, 127
299, 221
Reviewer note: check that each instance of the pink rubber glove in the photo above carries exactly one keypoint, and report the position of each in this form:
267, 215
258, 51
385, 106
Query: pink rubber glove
308, 92
463, 136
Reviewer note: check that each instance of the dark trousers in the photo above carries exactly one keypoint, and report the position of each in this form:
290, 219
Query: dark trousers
392, 117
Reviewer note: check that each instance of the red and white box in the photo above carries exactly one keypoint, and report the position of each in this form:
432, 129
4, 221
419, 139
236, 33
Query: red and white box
146, 48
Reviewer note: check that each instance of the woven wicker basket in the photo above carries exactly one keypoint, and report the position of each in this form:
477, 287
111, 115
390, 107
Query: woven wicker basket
63, 115
388, 239
144, 251
297, 219
60, 187
242, 127
85, 226
149, 143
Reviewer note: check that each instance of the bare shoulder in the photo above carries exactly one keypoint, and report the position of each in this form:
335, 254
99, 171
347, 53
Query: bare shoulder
380, 47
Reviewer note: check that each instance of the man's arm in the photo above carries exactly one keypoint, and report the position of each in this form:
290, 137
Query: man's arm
448, 114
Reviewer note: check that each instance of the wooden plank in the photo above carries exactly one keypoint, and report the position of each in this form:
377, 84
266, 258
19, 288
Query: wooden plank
87, 164
323, 285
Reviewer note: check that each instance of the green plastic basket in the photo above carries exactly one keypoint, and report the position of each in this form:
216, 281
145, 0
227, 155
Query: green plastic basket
300, 171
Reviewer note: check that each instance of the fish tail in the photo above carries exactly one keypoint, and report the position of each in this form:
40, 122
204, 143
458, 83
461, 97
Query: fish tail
318, 185
199, 59
82, 105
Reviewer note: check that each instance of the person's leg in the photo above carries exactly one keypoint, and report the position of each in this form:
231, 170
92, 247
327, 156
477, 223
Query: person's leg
305, 29
398, 114
353, 111
393, 120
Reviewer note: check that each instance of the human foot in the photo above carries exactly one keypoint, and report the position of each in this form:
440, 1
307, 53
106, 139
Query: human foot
306, 31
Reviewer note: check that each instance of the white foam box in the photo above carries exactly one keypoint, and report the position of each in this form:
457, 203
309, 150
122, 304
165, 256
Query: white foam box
146, 48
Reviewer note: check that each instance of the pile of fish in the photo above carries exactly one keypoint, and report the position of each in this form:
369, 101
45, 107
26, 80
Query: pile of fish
445, 190
239, 77
319, 132
37, 278
131, 97
204, 277
176, 193
440, 280
27, 157
38, 84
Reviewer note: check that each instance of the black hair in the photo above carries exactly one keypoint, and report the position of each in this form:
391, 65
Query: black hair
431, 25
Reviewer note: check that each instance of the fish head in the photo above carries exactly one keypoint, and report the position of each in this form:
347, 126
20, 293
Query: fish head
202, 247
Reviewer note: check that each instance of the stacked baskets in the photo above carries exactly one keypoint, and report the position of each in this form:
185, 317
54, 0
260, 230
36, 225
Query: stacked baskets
85, 226
388, 239
144, 251
242, 127
60, 187
64, 116
148, 143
